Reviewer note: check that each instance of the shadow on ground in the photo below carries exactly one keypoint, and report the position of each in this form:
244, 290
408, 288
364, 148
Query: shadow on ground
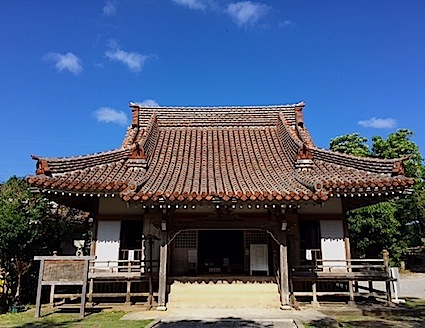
227, 322
368, 314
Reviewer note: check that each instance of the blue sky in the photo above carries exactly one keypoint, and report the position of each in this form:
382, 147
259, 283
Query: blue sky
68, 69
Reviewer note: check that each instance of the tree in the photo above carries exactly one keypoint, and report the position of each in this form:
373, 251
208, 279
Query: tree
30, 225
394, 224
352, 144
374, 228
399, 144
410, 209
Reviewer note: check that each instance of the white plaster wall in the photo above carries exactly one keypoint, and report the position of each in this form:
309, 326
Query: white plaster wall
107, 241
332, 206
332, 242
116, 206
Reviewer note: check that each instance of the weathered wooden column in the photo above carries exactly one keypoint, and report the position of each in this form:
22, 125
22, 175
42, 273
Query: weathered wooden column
386, 256
348, 262
162, 277
284, 274
163, 254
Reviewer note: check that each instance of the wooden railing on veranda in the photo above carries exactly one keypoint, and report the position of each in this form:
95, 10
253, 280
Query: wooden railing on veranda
124, 271
348, 272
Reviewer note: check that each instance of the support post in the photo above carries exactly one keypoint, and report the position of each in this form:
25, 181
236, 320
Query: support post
386, 257
52, 295
39, 287
91, 286
284, 276
351, 292
162, 278
128, 294
84, 288
314, 301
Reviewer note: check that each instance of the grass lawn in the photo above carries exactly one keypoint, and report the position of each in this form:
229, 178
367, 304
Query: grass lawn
96, 320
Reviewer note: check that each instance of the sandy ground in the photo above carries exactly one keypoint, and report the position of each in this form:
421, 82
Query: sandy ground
412, 285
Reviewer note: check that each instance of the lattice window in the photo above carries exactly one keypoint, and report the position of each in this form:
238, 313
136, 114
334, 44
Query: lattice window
255, 237
186, 239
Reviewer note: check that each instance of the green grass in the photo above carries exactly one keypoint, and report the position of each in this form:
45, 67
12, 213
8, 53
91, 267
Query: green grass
93, 320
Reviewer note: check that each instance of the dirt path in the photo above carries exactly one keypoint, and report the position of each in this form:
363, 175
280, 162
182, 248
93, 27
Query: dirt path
412, 285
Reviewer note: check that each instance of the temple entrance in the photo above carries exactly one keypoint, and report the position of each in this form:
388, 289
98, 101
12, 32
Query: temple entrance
221, 251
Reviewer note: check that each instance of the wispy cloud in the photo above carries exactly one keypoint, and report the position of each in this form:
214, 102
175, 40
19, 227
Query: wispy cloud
110, 115
285, 23
379, 123
67, 62
110, 8
147, 103
193, 4
246, 13
133, 60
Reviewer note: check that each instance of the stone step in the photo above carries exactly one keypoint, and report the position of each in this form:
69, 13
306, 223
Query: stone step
223, 295
224, 286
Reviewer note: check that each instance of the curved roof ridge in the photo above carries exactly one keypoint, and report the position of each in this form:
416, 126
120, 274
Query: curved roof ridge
384, 166
78, 157
75, 163
285, 131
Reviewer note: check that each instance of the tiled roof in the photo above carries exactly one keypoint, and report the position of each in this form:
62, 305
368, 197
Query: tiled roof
262, 153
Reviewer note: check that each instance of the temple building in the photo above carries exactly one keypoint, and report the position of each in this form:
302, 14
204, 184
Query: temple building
209, 192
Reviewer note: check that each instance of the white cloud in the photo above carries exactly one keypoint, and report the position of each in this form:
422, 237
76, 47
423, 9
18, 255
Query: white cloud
379, 123
147, 103
69, 62
133, 60
285, 23
110, 115
193, 4
110, 8
246, 13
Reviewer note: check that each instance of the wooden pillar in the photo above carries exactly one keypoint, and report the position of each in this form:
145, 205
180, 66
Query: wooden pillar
162, 277
128, 294
150, 297
284, 274
386, 256
351, 293
348, 261
84, 288
39, 288
52, 295
314, 301
91, 286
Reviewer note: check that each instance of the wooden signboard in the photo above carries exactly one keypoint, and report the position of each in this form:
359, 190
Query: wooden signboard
259, 258
62, 270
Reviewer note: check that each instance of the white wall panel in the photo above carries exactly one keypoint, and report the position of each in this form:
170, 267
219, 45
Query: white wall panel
332, 242
108, 241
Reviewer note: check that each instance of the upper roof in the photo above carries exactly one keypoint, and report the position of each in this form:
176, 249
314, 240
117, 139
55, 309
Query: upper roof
258, 153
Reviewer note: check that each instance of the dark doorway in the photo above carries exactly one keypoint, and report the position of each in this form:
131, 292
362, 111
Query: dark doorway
221, 251
131, 240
